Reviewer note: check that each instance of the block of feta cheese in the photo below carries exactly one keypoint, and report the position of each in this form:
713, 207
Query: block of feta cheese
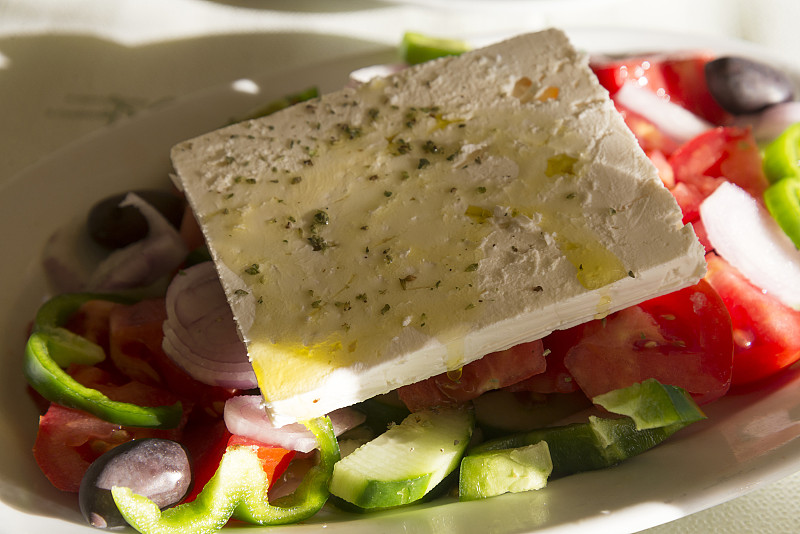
383, 234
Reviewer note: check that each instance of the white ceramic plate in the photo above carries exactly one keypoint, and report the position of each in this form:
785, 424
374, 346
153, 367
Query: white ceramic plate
749, 439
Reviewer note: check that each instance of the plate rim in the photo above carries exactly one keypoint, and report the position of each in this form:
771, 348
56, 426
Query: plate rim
735, 485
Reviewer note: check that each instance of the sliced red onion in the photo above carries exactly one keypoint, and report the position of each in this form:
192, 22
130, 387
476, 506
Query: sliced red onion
363, 75
144, 261
245, 416
200, 334
743, 232
770, 123
671, 119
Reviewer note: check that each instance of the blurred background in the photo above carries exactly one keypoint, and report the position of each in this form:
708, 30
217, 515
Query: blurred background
72, 68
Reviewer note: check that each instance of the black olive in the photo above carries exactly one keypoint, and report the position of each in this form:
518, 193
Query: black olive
114, 227
741, 85
155, 468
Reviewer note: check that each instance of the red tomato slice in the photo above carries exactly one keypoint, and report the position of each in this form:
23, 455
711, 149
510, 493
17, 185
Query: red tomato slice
683, 339
556, 377
650, 138
68, 441
91, 321
665, 172
643, 71
135, 337
206, 444
130, 391
493, 371
679, 78
689, 198
722, 153
135, 348
766, 332
685, 83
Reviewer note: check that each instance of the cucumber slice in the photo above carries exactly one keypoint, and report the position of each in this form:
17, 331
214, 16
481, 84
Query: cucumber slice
418, 48
505, 471
406, 462
441, 489
499, 413
602, 442
588, 446
651, 404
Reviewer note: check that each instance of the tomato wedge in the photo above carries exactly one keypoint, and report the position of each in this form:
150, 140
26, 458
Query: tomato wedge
69, 440
135, 349
724, 153
493, 371
92, 321
206, 444
682, 339
766, 332
556, 377
679, 78
650, 138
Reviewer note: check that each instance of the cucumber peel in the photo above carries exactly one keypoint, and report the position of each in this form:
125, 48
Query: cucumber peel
418, 48
504, 471
405, 463
651, 412
651, 404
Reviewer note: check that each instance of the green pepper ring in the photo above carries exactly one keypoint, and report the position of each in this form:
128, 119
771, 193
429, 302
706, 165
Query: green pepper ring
782, 155
47, 377
238, 489
783, 203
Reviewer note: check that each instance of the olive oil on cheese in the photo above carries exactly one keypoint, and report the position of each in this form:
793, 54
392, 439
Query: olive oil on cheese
377, 237
373, 237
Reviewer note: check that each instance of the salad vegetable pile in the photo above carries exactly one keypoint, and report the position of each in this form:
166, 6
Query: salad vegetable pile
150, 412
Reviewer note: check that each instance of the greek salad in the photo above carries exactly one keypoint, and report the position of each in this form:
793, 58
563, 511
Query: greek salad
143, 420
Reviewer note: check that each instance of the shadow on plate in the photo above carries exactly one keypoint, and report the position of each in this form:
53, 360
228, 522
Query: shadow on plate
52, 91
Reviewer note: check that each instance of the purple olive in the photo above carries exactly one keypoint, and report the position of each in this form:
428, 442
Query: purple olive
158, 469
741, 85
114, 227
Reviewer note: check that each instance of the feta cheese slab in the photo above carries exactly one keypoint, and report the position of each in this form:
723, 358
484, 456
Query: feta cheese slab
387, 233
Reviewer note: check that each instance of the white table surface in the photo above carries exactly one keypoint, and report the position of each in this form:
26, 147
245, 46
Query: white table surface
68, 68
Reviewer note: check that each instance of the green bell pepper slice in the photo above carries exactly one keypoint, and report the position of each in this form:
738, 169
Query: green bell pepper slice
238, 489
782, 155
50, 348
783, 202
